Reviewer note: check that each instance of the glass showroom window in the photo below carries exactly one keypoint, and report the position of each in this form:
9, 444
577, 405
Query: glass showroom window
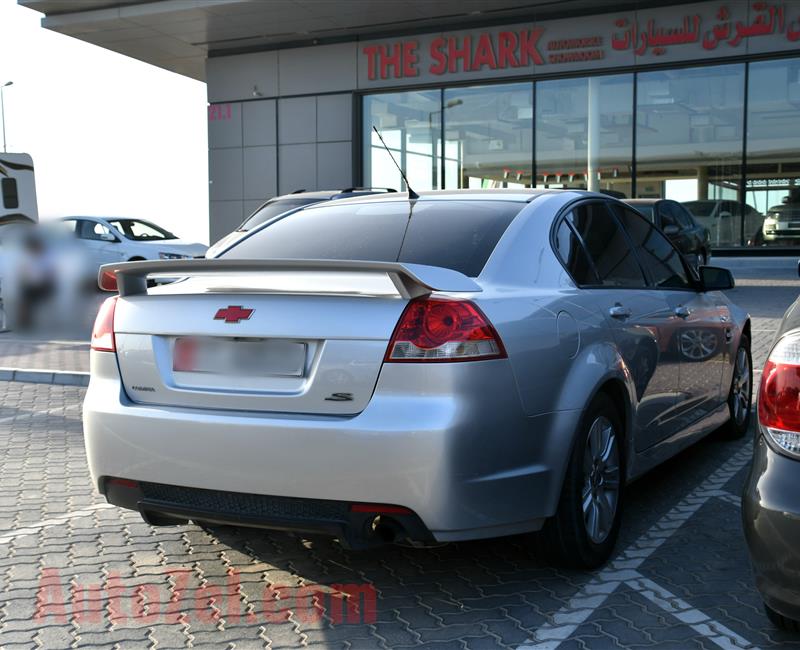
689, 143
410, 125
584, 133
489, 136
773, 153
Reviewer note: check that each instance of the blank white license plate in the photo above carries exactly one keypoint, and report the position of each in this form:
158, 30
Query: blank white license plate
241, 357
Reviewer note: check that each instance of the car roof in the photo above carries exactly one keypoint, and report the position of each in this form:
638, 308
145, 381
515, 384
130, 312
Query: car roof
90, 218
500, 194
642, 201
321, 195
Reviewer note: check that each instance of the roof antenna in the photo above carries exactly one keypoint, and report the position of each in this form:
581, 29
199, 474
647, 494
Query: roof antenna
411, 193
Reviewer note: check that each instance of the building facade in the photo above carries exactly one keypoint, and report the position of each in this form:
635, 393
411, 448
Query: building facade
697, 102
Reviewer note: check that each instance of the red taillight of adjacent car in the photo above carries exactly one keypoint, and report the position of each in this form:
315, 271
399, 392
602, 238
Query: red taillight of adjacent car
103, 332
107, 280
439, 329
779, 395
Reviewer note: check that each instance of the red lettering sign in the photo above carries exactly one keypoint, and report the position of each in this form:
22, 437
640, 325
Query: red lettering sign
456, 54
507, 50
438, 55
527, 46
410, 59
371, 52
484, 54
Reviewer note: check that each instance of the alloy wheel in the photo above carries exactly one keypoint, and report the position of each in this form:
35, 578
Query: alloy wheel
741, 387
601, 480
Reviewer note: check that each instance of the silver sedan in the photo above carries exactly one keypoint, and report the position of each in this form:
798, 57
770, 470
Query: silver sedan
461, 365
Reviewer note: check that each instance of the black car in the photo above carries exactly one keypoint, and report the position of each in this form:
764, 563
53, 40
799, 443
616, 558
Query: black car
771, 498
677, 223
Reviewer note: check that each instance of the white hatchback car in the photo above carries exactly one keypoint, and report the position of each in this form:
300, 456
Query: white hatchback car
115, 239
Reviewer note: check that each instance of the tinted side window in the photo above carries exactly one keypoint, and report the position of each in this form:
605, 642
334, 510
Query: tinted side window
607, 245
668, 216
684, 218
572, 254
92, 230
10, 196
662, 260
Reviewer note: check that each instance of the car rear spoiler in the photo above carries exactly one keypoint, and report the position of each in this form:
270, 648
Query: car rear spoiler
410, 280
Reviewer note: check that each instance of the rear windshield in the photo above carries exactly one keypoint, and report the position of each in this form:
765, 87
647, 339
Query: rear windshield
458, 235
273, 209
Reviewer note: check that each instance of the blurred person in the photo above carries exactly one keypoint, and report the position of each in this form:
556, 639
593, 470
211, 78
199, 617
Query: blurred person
11, 265
36, 278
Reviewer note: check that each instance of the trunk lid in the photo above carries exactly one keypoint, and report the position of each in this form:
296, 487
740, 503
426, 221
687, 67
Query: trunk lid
288, 341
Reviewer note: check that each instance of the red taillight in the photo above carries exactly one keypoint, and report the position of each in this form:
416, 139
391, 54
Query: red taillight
107, 280
437, 329
103, 332
779, 395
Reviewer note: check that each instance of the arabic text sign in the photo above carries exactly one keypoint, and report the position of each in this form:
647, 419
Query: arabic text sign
677, 33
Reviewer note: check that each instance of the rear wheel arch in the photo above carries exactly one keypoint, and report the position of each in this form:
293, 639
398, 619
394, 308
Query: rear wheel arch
616, 390
563, 539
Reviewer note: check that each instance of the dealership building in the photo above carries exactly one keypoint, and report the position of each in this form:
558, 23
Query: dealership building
697, 102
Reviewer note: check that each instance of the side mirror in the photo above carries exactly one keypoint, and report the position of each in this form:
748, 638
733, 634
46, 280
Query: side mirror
715, 278
671, 230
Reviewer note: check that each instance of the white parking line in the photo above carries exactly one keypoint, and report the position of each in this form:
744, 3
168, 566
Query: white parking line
701, 623
32, 529
624, 567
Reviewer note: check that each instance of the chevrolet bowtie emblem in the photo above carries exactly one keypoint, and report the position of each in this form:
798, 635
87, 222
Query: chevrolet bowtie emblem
233, 314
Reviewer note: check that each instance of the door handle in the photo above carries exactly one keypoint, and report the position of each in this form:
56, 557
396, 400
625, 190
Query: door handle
682, 312
619, 312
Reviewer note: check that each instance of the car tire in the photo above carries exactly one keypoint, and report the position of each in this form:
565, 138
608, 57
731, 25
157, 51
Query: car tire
740, 394
780, 621
566, 539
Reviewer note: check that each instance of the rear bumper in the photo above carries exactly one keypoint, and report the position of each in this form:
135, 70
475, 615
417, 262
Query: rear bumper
771, 518
450, 442
357, 526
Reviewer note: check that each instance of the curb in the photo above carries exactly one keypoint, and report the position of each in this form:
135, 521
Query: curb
56, 377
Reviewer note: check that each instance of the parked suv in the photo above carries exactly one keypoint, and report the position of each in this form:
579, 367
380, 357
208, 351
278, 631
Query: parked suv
283, 204
689, 237
782, 225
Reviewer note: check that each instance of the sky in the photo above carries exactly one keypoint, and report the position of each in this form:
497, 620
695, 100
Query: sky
109, 135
